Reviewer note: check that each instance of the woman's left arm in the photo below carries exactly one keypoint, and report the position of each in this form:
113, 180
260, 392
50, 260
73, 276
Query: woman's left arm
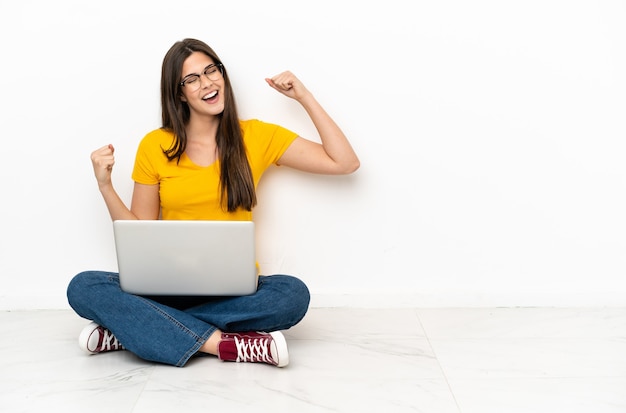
334, 156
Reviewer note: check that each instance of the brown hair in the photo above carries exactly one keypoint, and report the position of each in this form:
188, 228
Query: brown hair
236, 181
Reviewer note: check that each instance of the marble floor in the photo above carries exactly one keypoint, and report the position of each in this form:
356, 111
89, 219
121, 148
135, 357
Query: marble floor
457, 360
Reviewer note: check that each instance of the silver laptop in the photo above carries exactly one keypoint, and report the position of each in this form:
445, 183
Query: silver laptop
173, 257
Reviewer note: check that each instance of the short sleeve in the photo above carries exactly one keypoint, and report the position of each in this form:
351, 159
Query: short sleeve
149, 153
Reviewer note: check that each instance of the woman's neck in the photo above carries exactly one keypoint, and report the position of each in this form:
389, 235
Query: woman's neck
202, 130
201, 142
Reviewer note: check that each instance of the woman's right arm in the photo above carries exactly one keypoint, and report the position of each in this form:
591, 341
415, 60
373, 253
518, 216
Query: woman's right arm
145, 202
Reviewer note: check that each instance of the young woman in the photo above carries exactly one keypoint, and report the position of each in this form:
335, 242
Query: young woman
204, 163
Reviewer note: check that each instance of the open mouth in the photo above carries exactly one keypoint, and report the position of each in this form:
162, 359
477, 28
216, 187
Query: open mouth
210, 96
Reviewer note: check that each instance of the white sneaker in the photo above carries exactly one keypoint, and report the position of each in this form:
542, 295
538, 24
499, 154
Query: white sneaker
97, 339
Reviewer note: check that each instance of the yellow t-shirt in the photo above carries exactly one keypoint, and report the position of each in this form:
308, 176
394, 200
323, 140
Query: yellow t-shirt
191, 192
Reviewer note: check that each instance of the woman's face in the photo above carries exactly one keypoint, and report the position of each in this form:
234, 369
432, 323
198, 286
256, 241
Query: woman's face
203, 87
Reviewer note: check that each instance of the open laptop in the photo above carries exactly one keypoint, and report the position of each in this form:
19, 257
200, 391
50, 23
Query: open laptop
174, 257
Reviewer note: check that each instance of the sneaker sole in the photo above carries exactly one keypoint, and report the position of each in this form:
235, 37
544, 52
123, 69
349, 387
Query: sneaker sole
281, 348
83, 338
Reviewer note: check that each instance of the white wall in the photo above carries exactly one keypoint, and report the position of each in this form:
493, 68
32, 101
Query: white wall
491, 136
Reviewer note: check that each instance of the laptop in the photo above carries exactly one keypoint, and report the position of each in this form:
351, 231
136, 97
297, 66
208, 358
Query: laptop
177, 257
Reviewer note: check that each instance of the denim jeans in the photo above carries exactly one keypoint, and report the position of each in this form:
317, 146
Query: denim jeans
170, 330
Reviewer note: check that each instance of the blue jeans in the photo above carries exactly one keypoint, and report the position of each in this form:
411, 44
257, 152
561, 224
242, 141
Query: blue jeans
170, 330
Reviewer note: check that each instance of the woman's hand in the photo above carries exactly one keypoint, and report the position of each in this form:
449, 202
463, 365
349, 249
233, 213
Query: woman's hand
289, 85
103, 161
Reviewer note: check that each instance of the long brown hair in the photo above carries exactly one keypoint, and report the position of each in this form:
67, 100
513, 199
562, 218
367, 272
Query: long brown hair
236, 181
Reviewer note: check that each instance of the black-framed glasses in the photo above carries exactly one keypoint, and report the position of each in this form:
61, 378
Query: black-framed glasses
212, 72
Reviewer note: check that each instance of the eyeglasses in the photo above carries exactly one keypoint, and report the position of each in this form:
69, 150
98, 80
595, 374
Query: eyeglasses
212, 72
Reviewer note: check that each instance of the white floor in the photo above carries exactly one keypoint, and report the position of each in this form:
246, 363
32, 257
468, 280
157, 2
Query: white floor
499, 360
